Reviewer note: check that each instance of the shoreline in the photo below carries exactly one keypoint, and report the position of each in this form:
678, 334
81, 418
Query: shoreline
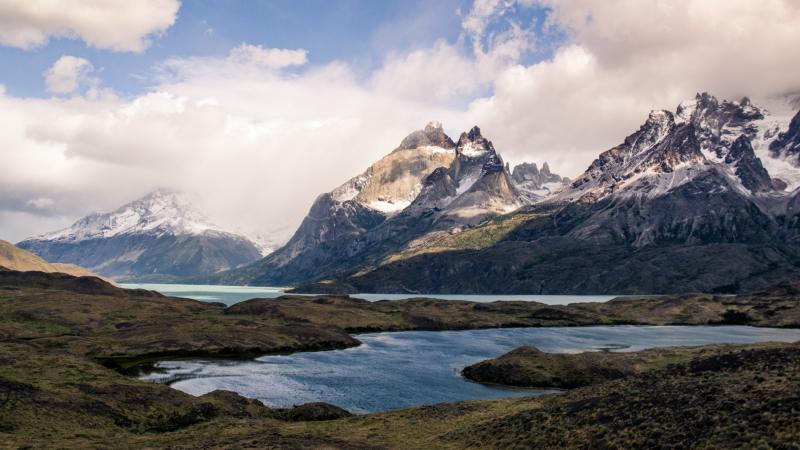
138, 364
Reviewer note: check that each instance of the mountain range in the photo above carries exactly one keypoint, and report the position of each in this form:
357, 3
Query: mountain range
703, 198
161, 237
427, 188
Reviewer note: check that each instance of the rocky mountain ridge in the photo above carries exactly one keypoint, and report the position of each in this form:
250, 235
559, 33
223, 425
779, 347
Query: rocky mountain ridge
428, 184
670, 149
667, 210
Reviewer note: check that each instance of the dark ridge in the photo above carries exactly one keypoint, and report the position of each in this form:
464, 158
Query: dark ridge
82, 285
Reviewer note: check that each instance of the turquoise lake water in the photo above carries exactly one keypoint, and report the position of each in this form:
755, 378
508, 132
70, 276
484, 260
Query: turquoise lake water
235, 294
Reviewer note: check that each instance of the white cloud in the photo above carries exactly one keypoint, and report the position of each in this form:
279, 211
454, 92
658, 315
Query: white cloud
120, 25
67, 74
624, 58
438, 73
273, 58
482, 13
260, 143
494, 50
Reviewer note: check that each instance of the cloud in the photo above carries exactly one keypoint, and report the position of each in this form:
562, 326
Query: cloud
482, 11
67, 74
441, 73
273, 58
119, 25
41, 203
498, 40
259, 142
623, 58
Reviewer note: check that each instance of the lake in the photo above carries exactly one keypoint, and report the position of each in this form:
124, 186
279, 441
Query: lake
403, 369
230, 295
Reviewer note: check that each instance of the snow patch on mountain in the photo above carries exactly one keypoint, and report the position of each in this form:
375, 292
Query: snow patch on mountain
473, 150
266, 243
389, 206
466, 183
778, 166
160, 212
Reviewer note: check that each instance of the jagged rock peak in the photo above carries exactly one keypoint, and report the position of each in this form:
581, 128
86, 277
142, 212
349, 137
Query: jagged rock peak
525, 171
658, 125
433, 126
706, 100
706, 111
704, 133
432, 135
473, 135
473, 144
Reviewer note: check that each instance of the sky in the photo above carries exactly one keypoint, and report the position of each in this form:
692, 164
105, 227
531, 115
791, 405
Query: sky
259, 106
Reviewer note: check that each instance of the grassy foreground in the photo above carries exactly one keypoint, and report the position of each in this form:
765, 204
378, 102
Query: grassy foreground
59, 335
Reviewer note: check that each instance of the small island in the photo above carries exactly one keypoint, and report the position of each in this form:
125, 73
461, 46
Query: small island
531, 367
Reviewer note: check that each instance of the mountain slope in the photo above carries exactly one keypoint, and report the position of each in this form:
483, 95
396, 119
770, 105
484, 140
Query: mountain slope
685, 203
426, 186
15, 258
160, 237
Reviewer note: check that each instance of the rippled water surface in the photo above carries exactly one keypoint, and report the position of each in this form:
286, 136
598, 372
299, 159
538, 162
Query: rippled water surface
396, 370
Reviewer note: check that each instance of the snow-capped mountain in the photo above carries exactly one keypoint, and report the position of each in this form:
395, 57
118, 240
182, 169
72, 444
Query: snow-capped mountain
429, 183
483, 184
161, 236
393, 182
670, 149
159, 213
704, 198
